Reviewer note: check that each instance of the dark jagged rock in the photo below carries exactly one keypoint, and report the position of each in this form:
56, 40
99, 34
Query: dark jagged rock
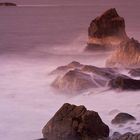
135, 72
7, 4
128, 136
125, 83
74, 80
127, 54
123, 118
105, 31
70, 66
75, 123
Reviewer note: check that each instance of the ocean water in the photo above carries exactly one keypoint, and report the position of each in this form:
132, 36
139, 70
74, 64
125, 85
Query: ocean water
34, 40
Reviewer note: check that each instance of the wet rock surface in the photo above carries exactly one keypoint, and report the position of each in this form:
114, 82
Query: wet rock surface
122, 118
125, 83
75, 123
74, 80
105, 31
76, 77
127, 55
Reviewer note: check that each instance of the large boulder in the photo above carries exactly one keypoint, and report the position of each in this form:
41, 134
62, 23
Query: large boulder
123, 118
74, 80
73, 122
126, 55
125, 83
7, 4
106, 31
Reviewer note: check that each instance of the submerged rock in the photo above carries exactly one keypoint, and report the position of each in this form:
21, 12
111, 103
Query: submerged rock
7, 4
123, 118
106, 31
73, 122
125, 83
127, 54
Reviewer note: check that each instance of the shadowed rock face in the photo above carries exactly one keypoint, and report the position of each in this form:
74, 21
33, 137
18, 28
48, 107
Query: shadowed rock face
106, 31
135, 72
7, 4
125, 83
123, 118
75, 123
127, 54
74, 80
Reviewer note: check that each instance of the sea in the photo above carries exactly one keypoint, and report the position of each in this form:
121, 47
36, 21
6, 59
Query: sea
37, 38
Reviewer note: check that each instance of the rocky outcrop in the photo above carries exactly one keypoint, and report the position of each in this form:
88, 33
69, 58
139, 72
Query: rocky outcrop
76, 77
127, 55
135, 72
7, 4
106, 31
123, 118
73, 122
66, 68
74, 80
125, 83
127, 136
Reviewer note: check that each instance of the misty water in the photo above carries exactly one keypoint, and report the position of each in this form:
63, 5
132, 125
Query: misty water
34, 40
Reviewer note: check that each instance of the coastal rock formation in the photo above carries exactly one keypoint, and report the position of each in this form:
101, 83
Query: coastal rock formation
125, 83
73, 122
127, 55
135, 72
66, 68
123, 118
106, 31
7, 4
74, 80
76, 77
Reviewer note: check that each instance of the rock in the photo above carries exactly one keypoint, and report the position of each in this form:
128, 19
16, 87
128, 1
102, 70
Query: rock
126, 55
122, 118
106, 30
74, 80
98, 47
128, 136
108, 73
66, 68
125, 83
135, 72
7, 4
76, 77
73, 122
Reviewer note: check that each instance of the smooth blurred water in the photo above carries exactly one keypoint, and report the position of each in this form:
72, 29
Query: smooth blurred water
33, 41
